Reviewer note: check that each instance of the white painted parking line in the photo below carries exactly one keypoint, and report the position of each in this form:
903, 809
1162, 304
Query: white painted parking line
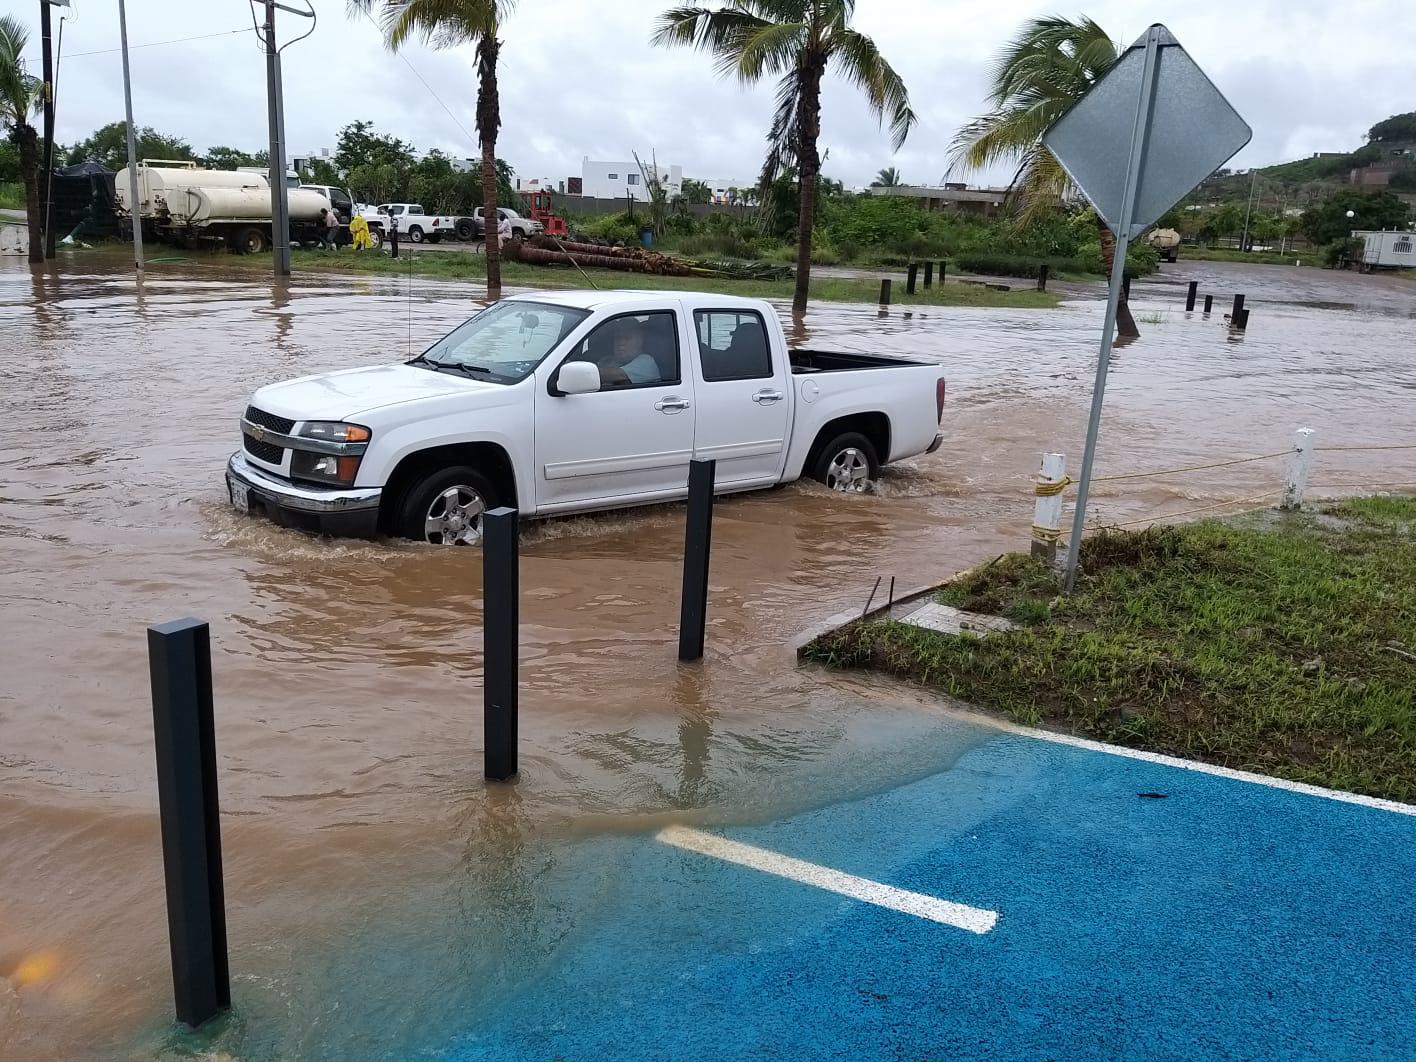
962, 916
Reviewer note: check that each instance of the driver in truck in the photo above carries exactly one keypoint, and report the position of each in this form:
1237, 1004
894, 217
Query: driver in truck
628, 362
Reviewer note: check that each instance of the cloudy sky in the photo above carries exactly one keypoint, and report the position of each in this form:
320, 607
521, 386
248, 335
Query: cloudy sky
580, 78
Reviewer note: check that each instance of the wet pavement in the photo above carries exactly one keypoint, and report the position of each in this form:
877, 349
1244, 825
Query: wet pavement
361, 843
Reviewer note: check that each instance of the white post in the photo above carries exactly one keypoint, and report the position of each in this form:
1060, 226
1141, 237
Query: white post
1047, 512
133, 206
1299, 465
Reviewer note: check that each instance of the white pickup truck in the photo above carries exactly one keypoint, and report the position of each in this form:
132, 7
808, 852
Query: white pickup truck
570, 401
413, 224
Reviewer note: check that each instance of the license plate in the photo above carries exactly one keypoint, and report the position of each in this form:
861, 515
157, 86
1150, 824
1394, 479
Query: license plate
240, 495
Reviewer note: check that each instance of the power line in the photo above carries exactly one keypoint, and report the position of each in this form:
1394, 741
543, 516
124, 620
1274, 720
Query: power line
159, 44
470, 138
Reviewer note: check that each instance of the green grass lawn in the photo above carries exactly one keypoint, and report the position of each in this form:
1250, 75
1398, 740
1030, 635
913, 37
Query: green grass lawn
1281, 643
1225, 254
12, 195
454, 265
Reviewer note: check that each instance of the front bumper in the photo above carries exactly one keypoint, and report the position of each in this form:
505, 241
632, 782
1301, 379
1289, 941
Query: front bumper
352, 512
938, 442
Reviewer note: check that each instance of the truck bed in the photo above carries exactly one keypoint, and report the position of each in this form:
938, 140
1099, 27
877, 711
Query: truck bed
816, 361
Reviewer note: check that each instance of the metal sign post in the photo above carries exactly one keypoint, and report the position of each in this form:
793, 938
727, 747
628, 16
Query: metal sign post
1135, 144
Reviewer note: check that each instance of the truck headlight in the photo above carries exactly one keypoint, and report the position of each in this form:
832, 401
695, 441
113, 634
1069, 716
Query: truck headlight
334, 431
334, 469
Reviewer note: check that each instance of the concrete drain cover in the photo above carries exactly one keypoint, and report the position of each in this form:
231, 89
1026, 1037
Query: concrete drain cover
949, 620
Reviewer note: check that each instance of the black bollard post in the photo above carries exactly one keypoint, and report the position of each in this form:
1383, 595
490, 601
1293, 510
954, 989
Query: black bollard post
184, 733
928, 275
942, 263
1209, 303
697, 548
1237, 309
1190, 294
1240, 320
885, 293
1042, 277
500, 637
911, 275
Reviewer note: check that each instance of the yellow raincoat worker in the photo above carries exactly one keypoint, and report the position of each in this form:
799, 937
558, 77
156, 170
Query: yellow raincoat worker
359, 230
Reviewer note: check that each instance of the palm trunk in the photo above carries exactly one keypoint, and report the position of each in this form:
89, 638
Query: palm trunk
28, 142
488, 122
1125, 323
808, 172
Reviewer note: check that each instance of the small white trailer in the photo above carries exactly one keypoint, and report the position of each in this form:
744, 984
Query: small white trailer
1387, 250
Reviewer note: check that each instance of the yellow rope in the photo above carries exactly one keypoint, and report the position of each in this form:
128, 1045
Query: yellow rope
1192, 468
1046, 534
1187, 512
1043, 489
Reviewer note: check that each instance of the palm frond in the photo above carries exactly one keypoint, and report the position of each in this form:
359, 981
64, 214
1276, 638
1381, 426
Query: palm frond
19, 91
856, 58
771, 48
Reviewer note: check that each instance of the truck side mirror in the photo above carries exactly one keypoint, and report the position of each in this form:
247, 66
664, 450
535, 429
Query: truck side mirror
578, 378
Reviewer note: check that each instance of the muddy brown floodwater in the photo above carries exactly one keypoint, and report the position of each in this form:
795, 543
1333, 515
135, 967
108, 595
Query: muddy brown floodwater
361, 842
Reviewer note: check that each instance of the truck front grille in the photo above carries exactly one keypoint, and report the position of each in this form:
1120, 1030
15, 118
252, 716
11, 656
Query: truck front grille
269, 420
264, 451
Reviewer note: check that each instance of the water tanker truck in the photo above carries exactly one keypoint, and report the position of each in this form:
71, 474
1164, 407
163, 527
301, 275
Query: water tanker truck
177, 202
1166, 242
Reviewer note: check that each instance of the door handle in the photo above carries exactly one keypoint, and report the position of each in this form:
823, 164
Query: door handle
671, 405
767, 397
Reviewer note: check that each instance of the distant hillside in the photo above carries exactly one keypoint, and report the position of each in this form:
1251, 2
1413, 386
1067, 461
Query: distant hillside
1390, 146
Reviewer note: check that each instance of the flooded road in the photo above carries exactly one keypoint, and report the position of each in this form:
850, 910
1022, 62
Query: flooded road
361, 843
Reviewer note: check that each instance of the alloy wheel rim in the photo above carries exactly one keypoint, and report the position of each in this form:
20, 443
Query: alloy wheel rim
454, 518
849, 472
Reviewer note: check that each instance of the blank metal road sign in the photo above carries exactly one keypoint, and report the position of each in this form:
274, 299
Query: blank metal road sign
1193, 131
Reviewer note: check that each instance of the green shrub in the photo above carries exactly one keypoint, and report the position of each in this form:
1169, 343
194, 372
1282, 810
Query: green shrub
12, 195
1012, 265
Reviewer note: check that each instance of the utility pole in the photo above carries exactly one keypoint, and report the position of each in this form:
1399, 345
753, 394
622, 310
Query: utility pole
279, 200
1249, 209
134, 211
47, 51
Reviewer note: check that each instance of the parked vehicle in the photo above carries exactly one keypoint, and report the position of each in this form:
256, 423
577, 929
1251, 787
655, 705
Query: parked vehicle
416, 225
179, 202
521, 227
1166, 242
566, 402
1387, 250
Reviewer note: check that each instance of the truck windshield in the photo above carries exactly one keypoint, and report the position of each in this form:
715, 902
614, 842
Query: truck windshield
505, 342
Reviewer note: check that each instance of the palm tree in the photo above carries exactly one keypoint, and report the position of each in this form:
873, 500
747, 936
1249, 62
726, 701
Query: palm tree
19, 98
447, 24
696, 191
1039, 75
794, 41
889, 177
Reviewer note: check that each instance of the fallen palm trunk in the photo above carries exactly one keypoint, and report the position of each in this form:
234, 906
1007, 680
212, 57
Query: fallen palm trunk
623, 259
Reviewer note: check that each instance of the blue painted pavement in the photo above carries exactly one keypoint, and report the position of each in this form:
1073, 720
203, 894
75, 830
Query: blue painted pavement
1226, 920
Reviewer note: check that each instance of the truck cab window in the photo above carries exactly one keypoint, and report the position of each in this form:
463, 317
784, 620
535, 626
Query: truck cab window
732, 345
636, 350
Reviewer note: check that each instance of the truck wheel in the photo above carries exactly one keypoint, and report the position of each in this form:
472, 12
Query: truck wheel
250, 240
445, 508
416, 234
376, 237
435, 238
466, 229
847, 463
519, 234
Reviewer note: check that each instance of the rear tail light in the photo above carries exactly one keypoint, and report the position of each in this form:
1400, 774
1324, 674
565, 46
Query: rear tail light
939, 398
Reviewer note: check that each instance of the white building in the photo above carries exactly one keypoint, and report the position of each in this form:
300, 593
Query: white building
616, 180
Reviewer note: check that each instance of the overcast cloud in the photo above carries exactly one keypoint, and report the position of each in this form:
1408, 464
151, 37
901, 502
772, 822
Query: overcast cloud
580, 78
